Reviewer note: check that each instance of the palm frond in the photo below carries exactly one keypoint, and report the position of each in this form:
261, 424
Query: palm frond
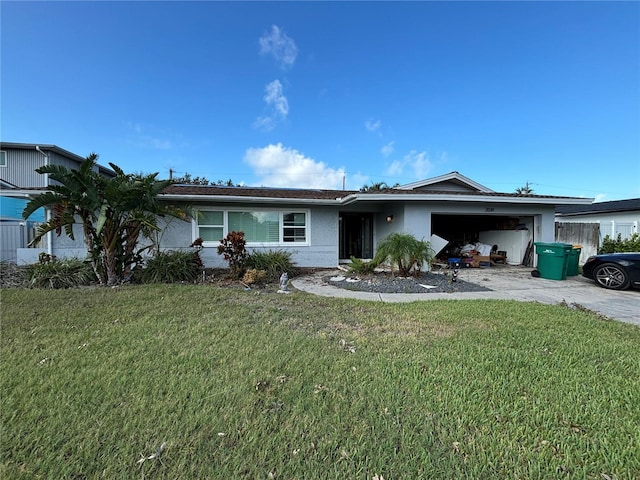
45, 199
116, 169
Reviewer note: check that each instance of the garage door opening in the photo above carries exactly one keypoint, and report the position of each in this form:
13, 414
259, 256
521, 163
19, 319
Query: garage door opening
512, 234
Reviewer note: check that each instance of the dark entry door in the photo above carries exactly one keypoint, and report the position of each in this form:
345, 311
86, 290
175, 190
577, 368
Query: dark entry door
356, 235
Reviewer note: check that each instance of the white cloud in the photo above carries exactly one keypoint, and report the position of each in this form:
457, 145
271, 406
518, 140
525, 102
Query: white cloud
387, 149
277, 106
264, 123
600, 197
418, 162
278, 166
281, 47
372, 126
274, 98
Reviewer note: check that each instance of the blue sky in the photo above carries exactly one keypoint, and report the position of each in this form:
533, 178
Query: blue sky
306, 94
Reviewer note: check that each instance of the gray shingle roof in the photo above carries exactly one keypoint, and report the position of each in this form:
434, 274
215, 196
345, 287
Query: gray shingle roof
599, 207
262, 192
295, 193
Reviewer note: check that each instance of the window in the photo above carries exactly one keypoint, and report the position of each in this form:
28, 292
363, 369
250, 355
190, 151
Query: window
3, 159
262, 227
259, 226
295, 227
211, 226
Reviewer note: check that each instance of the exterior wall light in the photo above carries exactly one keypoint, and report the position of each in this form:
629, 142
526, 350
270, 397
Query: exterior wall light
389, 218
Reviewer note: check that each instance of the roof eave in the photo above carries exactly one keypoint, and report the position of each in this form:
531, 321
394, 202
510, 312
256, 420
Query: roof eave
21, 193
244, 199
470, 198
56, 149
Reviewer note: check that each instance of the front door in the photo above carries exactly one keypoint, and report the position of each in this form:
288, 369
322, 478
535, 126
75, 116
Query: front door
356, 235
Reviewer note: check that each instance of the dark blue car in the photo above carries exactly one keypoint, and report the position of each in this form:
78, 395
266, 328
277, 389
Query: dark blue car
617, 271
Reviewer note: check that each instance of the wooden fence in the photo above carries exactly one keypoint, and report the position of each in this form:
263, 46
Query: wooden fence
586, 235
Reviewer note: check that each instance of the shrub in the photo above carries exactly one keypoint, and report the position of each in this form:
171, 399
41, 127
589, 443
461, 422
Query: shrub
273, 262
172, 267
233, 249
66, 273
252, 276
360, 267
404, 251
631, 244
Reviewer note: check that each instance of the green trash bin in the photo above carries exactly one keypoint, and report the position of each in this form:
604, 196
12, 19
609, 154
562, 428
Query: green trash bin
553, 259
572, 261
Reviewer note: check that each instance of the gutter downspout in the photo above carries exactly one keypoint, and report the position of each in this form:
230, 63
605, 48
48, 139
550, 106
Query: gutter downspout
47, 211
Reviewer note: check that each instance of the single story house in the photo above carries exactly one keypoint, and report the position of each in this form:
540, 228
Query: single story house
321, 228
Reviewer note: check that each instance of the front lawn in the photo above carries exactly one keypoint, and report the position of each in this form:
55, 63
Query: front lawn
195, 382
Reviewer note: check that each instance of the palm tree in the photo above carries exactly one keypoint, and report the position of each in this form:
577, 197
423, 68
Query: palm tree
526, 190
75, 197
113, 213
404, 251
375, 187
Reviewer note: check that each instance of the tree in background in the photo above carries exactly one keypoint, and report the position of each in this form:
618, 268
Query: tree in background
113, 213
187, 179
526, 190
377, 187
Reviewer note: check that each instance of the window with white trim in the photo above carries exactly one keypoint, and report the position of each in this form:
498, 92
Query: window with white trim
3, 158
260, 227
211, 225
294, 227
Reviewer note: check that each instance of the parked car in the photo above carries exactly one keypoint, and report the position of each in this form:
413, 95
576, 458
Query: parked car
617, 271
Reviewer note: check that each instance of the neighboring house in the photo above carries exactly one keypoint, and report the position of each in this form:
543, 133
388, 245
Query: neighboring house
18, 183
588, 225
619, 217
322, 228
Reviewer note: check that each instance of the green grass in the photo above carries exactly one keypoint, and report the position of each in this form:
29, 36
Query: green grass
257, 385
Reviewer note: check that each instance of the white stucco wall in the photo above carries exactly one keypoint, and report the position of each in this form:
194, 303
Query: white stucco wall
417, 220
61, 246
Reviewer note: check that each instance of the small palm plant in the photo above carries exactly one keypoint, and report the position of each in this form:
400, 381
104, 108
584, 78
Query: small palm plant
406, 252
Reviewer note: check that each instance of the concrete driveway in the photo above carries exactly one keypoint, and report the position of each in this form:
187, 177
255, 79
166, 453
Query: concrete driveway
506, 283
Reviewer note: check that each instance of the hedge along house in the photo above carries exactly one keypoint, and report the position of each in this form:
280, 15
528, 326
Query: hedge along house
321, 228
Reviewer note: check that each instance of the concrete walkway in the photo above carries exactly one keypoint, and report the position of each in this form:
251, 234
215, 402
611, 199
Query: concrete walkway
506, 283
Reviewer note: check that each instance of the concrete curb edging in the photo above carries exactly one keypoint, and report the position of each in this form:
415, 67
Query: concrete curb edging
510, 283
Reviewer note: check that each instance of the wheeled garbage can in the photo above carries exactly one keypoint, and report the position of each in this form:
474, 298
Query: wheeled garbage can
553, 259
573, 260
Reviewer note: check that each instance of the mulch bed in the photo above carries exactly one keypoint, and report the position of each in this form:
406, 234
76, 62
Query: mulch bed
386, 283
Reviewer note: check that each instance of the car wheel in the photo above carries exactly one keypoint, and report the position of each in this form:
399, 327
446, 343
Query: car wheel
611, 275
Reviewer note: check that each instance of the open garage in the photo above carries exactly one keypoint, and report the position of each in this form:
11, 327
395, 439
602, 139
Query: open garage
512, 235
